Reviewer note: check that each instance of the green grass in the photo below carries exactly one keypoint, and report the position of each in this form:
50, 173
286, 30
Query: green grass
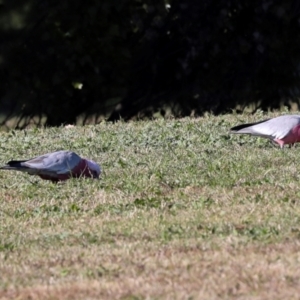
183, 210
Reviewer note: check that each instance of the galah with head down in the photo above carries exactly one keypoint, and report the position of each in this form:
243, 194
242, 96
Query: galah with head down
56, 166
281, 130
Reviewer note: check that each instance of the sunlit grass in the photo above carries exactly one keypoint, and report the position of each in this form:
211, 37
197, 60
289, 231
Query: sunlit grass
183, 211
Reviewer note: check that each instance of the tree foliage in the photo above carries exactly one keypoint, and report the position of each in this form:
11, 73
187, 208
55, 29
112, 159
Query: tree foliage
127, 58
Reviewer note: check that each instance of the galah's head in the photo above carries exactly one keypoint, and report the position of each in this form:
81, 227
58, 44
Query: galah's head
94, 168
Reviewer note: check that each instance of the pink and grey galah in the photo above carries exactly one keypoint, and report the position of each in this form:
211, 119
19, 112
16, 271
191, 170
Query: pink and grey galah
280, 130
56, 166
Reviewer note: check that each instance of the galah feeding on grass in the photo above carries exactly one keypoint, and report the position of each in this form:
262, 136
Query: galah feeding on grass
56, 166
281, 130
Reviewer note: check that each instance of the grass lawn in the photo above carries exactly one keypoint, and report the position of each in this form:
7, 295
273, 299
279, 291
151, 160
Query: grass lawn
183, 210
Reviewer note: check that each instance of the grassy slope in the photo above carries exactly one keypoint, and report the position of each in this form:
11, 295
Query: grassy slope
183, 211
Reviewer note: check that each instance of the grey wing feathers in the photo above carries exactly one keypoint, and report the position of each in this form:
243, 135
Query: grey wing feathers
59, 162
272, 128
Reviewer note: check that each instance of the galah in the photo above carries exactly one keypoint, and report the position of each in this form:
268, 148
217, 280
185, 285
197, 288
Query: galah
56, 166
281, 130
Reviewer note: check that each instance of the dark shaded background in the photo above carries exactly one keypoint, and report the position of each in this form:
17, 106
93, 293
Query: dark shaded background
127, 59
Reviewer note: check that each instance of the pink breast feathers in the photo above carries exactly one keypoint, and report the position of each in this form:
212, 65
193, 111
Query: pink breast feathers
82, 169
291, 138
